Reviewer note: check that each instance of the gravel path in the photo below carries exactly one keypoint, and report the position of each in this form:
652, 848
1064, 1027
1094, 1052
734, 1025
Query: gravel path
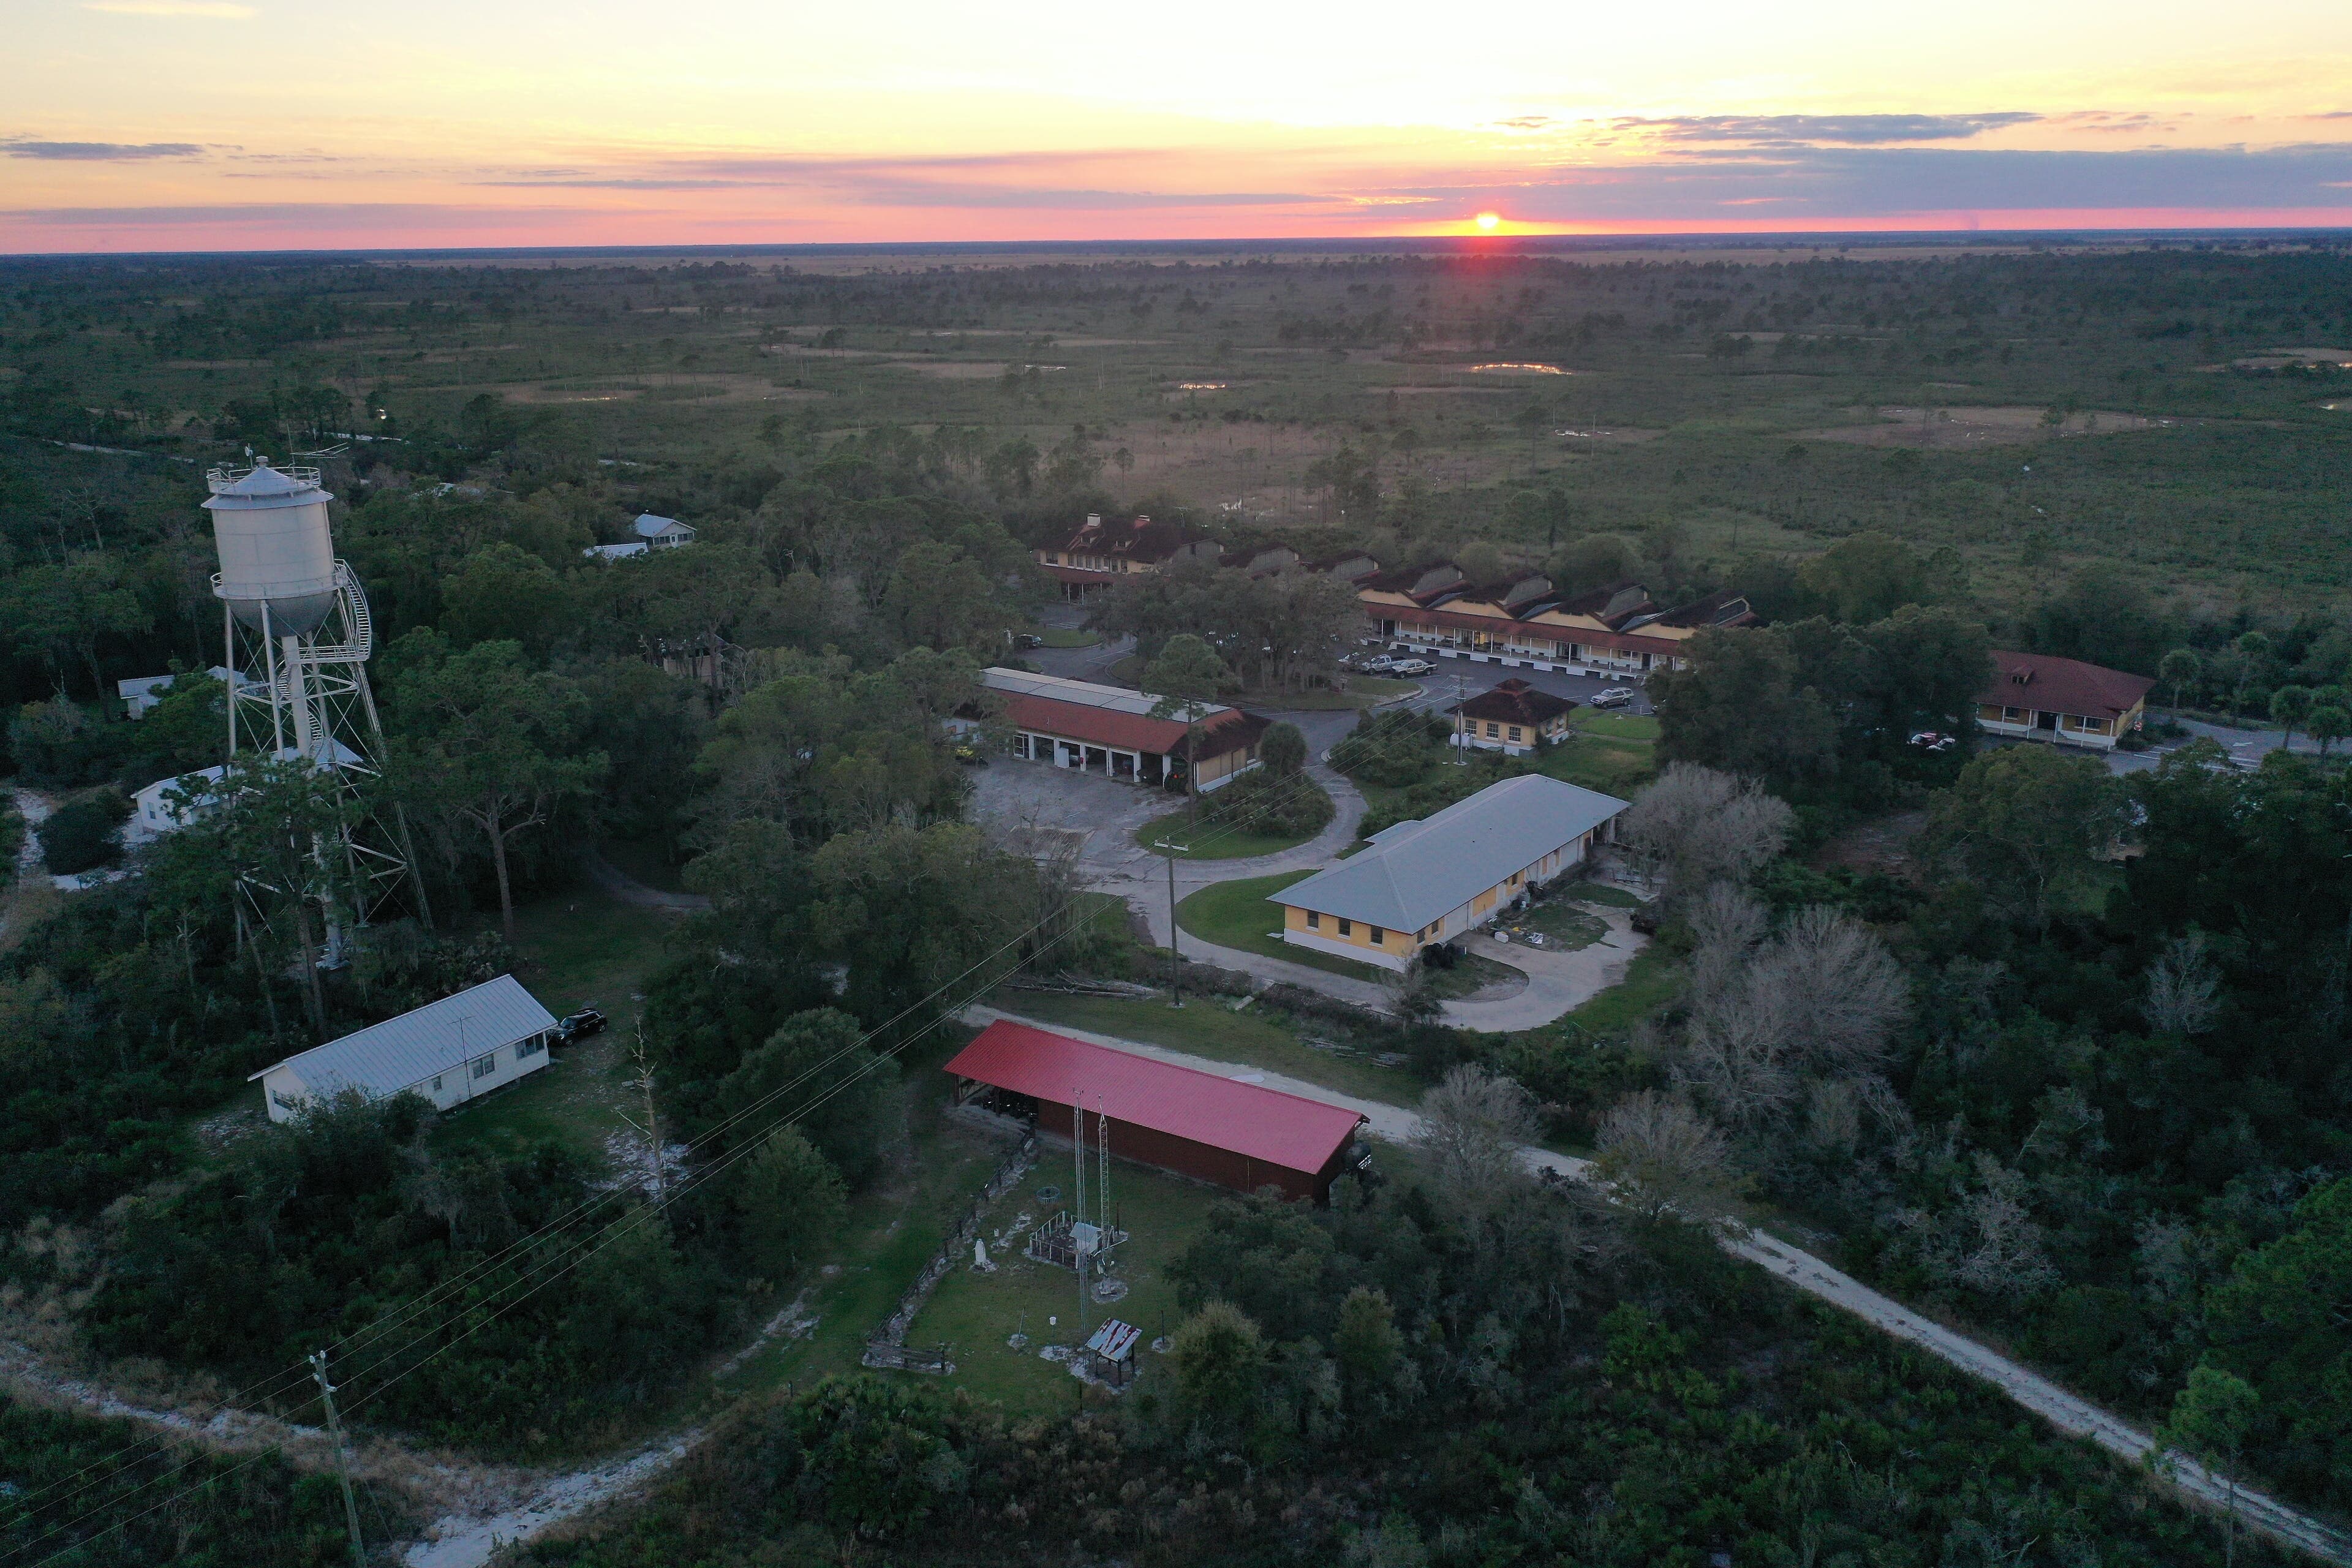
2068, 1413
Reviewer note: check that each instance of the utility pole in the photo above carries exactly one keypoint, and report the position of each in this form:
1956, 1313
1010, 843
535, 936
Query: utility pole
1175, 959
1461, 742
342, 1458
651, 1130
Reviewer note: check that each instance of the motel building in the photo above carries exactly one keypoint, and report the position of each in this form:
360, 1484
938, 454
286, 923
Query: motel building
1428, 881
2036, 696
1524, 623
1513, 718
1109, 731
447, 1052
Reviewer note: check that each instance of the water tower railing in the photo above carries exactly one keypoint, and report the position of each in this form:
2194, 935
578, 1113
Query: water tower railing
220, 478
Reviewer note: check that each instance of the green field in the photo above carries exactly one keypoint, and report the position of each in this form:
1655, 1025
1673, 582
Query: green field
1236, 914
975, 1313
1210, 841
1649, 983
577, 949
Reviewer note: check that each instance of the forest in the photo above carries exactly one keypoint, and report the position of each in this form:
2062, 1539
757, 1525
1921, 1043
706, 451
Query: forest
2068, 1072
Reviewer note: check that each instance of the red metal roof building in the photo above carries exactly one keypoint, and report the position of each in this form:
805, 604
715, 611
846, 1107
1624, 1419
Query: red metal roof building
1239, 1135
1109, 729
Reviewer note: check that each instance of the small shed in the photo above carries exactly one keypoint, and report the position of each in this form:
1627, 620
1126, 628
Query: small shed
1239, 1135
447, 1052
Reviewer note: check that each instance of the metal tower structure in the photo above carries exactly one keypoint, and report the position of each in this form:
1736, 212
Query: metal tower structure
295, 622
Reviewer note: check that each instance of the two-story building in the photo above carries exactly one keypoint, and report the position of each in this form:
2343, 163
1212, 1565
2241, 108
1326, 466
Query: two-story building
1100, 554
1513, 718
2040, 697
1430, 880
1524, 623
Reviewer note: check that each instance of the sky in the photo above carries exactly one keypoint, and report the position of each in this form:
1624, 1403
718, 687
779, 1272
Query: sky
176, 125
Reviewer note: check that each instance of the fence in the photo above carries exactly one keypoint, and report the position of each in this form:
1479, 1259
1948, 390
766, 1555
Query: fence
886, 1347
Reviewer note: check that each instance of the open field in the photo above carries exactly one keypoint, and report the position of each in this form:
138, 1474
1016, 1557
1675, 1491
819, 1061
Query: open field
1215, 843
974, 1314
1230, 391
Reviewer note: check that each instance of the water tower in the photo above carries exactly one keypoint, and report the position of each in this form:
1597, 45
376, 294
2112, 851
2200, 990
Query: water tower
296, 624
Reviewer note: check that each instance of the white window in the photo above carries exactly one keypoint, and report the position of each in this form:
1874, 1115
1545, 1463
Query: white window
1379, 937
1314, 920
1346, 928
484, 1066
436, 1083
531, 1048
1515, 731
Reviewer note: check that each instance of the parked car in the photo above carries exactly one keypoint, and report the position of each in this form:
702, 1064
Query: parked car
1615, 697
1935, 741
1412, 667
589, 1020
1379, 664
969, 755
1028, 639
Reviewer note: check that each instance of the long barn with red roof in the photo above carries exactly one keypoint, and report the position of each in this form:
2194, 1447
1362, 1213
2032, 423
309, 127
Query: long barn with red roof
1239, 1135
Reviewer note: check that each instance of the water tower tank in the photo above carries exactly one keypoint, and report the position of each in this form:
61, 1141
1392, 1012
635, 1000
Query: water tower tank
269, 528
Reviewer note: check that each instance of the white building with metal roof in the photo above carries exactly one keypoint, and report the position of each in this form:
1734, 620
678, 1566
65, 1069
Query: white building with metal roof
662, 532
447, 1052
1430, 879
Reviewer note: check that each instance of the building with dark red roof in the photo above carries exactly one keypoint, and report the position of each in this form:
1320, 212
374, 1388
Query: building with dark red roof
1512, 717
2040, 697
1100, 553
1523, 622
1239, 1135
1110, 731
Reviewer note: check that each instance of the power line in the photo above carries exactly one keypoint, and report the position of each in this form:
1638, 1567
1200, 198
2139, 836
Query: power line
1294, 790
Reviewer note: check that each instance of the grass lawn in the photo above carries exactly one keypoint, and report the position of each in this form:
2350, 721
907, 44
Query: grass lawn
1649, 983
575, 950
975, 1313
1067, 636
1611, 765
1564, 927
1618, 726
1471, 972
1236, 914
1599, 893
1213, 842
1208, 1027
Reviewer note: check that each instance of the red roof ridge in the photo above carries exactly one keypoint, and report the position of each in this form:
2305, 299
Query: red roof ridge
1293, 1130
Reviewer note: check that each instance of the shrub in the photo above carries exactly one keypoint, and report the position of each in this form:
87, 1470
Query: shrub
80, 836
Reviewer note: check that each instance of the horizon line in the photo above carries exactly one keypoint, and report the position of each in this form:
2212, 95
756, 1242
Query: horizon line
1520, 242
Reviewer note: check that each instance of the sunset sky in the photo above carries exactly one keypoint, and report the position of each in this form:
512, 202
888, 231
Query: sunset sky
223, 125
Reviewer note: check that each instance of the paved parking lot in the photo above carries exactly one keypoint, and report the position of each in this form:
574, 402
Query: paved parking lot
1459, 677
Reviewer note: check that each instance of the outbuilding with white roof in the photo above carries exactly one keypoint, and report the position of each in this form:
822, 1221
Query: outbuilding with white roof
447, 1052
1430, 879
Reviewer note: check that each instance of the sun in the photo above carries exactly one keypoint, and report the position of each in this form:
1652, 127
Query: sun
1488, 222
